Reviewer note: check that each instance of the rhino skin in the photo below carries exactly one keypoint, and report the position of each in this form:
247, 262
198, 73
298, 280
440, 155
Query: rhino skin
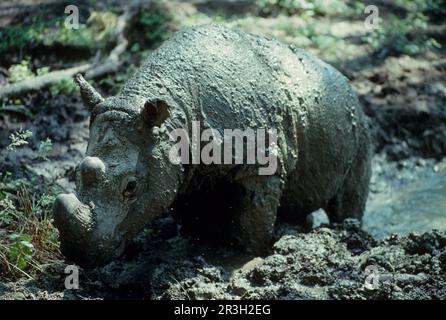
224, 79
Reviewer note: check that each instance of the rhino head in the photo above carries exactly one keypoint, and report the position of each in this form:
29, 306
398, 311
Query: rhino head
124, 181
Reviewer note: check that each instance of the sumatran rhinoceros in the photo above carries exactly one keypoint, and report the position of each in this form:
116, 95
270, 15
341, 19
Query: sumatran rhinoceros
223, 79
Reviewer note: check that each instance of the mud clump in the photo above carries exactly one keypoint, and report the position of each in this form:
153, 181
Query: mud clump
337, 262
340, 262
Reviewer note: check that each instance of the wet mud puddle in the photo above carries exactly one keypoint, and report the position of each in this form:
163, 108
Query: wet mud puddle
405, 196
411, 199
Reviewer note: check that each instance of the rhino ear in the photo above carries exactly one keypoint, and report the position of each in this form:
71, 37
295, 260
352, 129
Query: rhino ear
155, 112
89, 95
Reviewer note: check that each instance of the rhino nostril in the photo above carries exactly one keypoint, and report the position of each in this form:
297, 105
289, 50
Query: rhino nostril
92, 169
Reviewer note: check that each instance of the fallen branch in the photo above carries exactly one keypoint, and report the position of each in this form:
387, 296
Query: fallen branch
39, 82
91, 70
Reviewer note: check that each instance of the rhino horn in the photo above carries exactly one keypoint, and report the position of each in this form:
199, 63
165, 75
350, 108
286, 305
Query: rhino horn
89, 95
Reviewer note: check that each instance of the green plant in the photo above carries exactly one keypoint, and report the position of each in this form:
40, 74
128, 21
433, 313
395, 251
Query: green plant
431, 7
49, 32
15, 37
20, 72
407, 35
21, 250
66, 87
28, 238
6, 209
16, 107
54, 32
18, 139
152, 26
402, 37
45, 147
42, 71
301, 7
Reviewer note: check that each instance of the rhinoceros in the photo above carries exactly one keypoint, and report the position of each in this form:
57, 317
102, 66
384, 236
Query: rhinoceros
225, 79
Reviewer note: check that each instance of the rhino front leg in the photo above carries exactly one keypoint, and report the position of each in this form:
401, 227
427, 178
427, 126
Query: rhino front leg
256, 212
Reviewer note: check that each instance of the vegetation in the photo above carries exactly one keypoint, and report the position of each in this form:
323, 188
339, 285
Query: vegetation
45, 33
19, 138
302, 7
22, 71
408, 34
151, 27
45, 148
28, 239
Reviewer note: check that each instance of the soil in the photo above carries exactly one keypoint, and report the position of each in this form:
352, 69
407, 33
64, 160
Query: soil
336, 262
405, 99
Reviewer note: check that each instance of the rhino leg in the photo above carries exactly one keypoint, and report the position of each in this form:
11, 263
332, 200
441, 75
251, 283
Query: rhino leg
350, 200
256, 212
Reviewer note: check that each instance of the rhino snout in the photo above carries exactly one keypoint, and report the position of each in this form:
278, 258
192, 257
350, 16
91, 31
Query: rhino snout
75, 223
68, 210
92, 170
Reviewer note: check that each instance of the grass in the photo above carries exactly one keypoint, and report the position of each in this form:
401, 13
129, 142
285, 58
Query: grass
28, 239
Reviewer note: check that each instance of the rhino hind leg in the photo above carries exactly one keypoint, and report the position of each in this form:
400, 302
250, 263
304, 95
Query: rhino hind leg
256, 211
350, 200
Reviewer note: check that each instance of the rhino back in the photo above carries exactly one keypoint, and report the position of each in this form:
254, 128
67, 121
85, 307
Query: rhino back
230, 79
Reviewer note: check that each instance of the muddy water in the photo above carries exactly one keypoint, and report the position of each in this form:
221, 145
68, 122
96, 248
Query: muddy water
406, 196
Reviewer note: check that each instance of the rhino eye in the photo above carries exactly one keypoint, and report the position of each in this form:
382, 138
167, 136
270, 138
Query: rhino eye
130, 189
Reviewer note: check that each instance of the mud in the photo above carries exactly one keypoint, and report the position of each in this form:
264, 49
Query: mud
338, 262
405, 96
